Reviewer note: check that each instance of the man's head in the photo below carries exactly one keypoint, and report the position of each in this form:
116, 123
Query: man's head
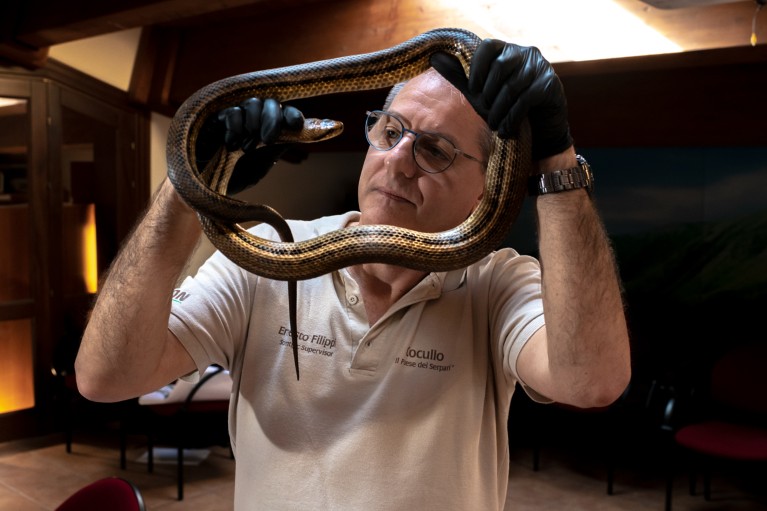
394, 190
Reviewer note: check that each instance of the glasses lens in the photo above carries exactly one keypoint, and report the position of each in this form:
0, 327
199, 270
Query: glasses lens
434, 153
383, 131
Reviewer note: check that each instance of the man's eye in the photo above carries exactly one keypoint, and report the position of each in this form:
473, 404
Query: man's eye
391, 132
435, 152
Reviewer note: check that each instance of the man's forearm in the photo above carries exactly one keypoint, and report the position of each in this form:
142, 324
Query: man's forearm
124, 351
587, 338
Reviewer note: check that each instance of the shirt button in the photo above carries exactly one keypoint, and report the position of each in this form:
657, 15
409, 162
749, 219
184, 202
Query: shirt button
353, 299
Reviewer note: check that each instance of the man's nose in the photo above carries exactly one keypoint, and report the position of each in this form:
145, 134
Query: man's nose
401, 157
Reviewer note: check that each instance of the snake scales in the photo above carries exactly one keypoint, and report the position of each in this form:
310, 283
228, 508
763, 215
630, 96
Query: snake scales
203, 189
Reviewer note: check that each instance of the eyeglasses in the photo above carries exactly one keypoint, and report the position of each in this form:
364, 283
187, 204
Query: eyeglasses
432, 152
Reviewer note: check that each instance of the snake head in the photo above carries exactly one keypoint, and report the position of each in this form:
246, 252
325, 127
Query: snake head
314, 130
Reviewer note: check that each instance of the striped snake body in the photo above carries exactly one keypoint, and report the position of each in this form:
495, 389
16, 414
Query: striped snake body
204, 189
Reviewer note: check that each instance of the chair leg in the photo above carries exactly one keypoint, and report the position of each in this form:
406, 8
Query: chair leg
671, 460
706, 484
669, 490
150, 454
180, 476
68, 439
610, 478
68, 427
611, 461
123, 446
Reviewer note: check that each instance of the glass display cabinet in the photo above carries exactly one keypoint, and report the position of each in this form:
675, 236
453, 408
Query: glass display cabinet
73, 178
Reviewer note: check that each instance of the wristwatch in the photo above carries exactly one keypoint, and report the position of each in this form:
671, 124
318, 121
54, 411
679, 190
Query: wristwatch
564, 180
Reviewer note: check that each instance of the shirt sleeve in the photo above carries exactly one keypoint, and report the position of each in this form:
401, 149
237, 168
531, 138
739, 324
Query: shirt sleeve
210, 311
517, 311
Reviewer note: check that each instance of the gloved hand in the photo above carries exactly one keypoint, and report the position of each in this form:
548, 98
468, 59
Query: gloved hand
508, 82
245, 127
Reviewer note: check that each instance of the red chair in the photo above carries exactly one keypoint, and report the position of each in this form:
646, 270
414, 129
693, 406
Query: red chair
112, 493
733, 426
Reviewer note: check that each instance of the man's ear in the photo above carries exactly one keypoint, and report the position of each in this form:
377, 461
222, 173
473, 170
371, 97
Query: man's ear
479, 199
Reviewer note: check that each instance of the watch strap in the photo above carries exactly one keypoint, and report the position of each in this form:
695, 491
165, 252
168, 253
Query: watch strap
563, 180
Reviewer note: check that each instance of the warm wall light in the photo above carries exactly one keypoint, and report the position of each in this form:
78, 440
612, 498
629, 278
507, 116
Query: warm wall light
4, 102
90, 257
566, 30
17, 388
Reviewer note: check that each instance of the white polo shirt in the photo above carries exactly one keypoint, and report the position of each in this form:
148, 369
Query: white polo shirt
410, 413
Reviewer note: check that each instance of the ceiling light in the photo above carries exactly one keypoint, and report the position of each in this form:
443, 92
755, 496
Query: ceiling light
565, 30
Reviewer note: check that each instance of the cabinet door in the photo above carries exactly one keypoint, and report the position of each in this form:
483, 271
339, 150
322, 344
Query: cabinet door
70, 189
17, 290
85, 201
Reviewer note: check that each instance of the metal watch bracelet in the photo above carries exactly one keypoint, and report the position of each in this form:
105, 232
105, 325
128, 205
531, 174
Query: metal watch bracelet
563, 180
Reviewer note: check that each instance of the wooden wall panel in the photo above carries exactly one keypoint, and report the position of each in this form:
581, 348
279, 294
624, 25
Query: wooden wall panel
666, 100
14, 253
322, 31
706, 98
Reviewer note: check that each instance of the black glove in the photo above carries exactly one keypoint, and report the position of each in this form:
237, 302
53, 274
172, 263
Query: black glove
508, 82
244, 127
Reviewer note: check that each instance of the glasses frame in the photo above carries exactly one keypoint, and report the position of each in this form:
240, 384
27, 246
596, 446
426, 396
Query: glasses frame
416, 136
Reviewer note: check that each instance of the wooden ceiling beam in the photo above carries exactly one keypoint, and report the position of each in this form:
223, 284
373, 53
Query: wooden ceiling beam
45, 22
153, 68
323, 30
332, 27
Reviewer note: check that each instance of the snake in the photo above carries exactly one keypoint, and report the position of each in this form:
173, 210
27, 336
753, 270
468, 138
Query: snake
204, 189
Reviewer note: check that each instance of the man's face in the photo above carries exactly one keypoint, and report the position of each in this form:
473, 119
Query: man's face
394, 190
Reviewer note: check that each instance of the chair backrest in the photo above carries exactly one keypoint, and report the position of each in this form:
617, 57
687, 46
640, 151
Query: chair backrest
209, 375
110, 493
218, 405
739, 378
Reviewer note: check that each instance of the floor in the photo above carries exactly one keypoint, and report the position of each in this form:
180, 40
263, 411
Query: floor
38, 474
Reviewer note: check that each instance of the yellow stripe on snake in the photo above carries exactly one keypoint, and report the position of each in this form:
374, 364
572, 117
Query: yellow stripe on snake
204, 189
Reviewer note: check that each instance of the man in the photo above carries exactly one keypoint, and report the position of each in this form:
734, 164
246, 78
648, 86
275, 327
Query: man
406, 377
